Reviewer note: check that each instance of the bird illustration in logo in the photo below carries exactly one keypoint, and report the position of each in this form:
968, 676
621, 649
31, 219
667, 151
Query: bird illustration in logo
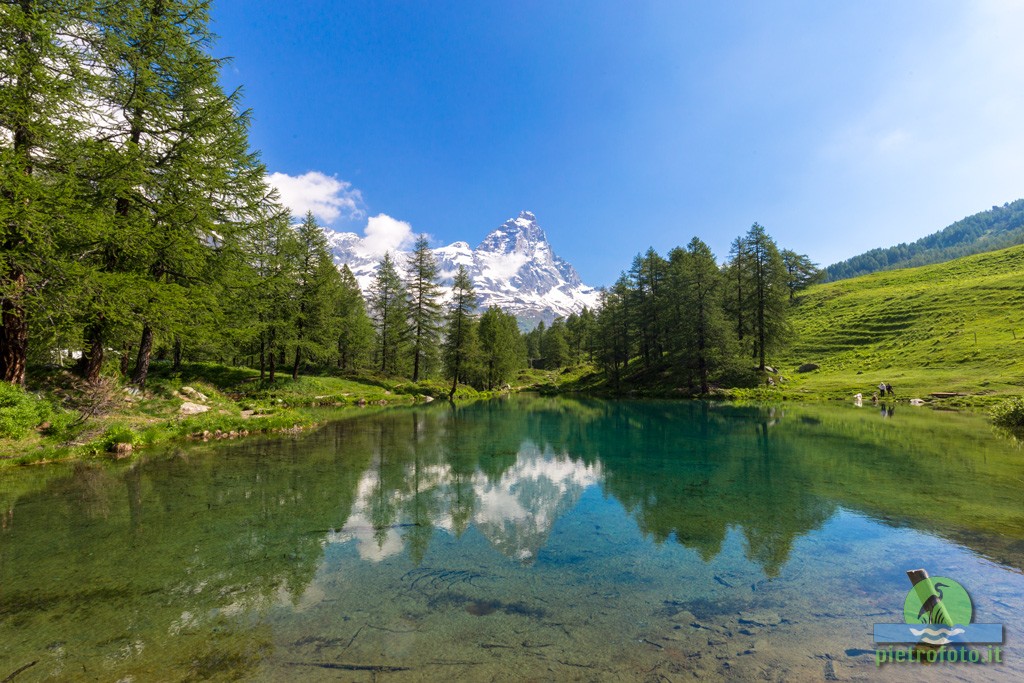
933, 611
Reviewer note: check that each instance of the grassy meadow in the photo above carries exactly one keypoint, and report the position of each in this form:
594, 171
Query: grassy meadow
950, 327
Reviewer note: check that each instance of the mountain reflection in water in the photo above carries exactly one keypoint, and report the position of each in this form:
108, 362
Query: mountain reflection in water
220, 560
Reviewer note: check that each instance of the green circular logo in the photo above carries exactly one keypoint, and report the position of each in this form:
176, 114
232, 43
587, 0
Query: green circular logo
938, 600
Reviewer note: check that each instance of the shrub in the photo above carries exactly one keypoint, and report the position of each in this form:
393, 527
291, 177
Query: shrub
1010, 413
118, 433
20, 412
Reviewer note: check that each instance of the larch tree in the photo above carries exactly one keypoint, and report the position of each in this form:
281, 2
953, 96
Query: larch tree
460, 337
389, 311
318, 287
355, 331
801, 272
44, 85
502, 349
768, 299
425, 312
703, 328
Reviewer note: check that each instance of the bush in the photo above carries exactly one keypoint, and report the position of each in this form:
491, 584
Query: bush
1010, 413
21, 412
118, 433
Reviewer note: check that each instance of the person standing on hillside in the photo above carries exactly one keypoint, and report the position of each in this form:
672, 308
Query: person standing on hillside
888, 389
881, 388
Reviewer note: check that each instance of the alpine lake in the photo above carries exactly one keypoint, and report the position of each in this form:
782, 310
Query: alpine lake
526, 538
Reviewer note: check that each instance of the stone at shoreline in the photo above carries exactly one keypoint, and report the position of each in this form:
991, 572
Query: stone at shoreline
189, 408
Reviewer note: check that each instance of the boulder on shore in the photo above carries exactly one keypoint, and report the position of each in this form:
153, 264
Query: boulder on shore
189, 408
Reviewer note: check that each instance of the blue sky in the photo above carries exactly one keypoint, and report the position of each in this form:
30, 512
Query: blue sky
623, 125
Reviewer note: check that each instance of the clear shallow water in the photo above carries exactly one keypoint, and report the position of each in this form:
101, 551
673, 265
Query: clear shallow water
530, 539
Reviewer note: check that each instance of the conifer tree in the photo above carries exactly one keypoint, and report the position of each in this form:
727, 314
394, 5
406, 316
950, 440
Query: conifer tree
460, 337
389, 311
554, 347
502, 348
703, 329
170, 160
768, 298
801, 272
44, 84
355, 333
424, 307
737, 299
318, 286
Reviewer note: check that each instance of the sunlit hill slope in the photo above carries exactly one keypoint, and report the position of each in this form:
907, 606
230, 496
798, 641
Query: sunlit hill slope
951, 327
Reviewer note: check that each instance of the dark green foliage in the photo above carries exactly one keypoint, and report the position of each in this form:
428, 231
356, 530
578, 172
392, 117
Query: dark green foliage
1009, 413
355, 331
998, 228
425, 314
686, 323
554, 348
460, 346
389, 310
801, 273
502, 348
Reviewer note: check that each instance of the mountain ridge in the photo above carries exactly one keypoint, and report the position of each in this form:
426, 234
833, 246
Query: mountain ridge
997, 228
513, 267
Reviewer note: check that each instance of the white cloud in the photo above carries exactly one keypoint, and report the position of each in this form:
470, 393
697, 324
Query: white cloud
326, 196
384, 233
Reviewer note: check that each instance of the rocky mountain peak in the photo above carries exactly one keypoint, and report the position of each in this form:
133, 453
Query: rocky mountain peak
514, 268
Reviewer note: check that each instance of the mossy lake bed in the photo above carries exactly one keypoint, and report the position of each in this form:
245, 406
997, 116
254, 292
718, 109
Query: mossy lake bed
522, 538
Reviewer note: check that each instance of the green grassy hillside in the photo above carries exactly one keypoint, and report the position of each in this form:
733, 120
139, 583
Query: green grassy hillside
956, 326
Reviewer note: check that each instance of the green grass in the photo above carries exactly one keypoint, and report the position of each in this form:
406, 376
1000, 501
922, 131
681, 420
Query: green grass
36, 428
951, 327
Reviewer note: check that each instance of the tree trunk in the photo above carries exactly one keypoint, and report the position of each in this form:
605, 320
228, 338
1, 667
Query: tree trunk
298, 359
125, 360
176, 367
14, 336
263, 358
142, 360
91, 362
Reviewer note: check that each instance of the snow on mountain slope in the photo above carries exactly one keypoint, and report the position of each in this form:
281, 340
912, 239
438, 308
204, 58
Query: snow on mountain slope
513, 268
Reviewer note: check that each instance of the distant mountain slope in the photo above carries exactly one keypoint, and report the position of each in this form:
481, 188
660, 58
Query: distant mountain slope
513, 268
998, 228
950, 326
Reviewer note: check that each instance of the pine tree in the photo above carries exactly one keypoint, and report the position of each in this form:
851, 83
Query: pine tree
460, 341
389, 310
424, 307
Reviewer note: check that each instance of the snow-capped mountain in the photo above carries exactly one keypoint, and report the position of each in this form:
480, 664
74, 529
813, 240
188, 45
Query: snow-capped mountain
513, 268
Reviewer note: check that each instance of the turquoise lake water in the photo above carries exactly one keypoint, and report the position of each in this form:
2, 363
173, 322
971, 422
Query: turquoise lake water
521, 539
